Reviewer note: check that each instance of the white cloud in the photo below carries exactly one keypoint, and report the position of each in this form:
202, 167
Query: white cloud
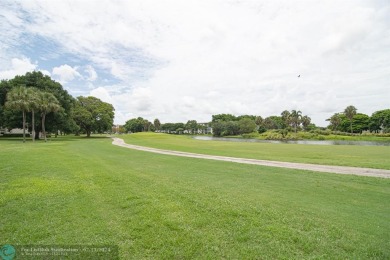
91, 73
102, 94
18, 67
180, 60
65, 73
46, 72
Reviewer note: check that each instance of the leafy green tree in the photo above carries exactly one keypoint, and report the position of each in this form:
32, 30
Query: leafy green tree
311, 127
259, 120
157, 124
334, 121
246, 126
191, 126
146, 125
350, 112
151, 127
380, 121
136, 125
120, 129
170, 127
177, 126
361, 122
218, 128
273, 122
202, 127
46, 103
91, 114
230, 128
166, 126
251, 117
223, 117
261, 129
18, 99
5, 87
345, 124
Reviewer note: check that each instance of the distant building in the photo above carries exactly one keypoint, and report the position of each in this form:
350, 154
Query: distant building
13, 131
118, 129
205, 128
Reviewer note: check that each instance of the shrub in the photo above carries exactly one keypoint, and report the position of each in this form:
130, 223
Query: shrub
261, 129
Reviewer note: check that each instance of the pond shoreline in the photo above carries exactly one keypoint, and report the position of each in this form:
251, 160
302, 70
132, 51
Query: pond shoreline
287, 141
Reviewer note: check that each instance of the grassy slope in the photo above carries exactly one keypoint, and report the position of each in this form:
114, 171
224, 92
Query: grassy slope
346, 155
83, 191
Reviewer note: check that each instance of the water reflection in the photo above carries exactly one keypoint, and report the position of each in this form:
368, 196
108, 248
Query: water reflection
311, 142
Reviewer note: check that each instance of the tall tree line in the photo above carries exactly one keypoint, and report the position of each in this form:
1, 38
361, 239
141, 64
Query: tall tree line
41, 97
351, 121
38, 99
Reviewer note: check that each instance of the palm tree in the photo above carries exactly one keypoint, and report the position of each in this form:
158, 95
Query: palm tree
18, 99
305, 121
296, 118
34, 105
286, 117
47, 103
350, 112
157, 124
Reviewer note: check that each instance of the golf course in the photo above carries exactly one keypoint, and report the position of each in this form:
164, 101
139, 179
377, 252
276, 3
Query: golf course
86, 191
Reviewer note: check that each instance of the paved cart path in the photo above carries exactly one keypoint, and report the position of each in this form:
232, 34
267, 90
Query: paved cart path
300, 166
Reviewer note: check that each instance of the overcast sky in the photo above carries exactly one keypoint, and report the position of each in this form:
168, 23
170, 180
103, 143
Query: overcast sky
179, 60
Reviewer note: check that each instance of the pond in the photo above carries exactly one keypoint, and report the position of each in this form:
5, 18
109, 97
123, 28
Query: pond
311, 142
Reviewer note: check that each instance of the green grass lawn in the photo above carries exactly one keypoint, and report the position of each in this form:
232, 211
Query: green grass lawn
86, 191
345, 155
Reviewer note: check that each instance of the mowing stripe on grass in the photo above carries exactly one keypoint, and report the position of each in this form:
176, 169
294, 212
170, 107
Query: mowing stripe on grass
300, 166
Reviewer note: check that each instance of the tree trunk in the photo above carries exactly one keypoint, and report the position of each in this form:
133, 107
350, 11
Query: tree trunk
39, 128
33, 125
43, 126
88, 133
24, 126
351, 127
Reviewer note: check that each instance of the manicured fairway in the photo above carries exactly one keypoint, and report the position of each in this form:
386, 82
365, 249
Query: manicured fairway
345, 155
86, 191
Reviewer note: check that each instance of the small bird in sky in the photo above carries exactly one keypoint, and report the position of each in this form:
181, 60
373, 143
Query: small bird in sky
299, 76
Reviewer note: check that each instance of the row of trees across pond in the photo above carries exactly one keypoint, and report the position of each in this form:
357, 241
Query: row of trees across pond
223, 124
37, 103
143, 125
288, 121
227, 124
